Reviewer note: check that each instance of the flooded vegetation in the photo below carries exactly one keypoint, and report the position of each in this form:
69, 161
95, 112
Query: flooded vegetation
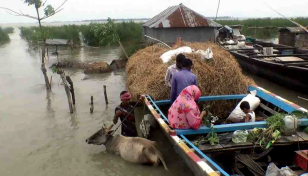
41, 137
93, 34
4, 35
270, 26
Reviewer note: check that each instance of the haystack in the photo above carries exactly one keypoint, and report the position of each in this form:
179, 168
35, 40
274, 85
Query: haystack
221, 75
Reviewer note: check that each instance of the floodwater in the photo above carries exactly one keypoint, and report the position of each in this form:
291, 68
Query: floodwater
38, 135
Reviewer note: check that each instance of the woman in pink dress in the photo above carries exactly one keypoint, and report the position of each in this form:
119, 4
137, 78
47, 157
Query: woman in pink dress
184, 112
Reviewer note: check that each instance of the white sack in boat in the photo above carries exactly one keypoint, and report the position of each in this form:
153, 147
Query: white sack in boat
208, 54
169, 54
237, 115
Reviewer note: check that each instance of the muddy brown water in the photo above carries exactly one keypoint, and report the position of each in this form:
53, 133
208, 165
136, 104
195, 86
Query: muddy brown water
38, 135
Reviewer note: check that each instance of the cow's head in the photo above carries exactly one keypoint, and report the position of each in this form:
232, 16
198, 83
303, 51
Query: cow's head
100, 137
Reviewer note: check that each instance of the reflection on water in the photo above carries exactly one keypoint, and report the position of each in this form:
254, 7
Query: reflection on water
38, 134
283, 92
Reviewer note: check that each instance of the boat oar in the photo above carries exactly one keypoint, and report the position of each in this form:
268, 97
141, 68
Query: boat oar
299, 25
157, 40
302, 98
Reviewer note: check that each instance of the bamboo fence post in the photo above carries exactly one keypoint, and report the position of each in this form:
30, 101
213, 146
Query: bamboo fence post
69, 80
50, 81
105, 94
92, 106
123, 49
67, 90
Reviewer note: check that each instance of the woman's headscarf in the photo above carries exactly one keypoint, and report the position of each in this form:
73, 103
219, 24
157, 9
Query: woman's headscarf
184, 112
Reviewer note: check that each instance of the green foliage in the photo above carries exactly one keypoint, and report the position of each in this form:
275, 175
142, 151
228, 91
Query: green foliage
4, 37
95, 34
8, 30
37, 3
211, 137
275, 122
109, 33
88, 35
264, 22
299, 114
267, 136
49, 10
106, 33
33, 34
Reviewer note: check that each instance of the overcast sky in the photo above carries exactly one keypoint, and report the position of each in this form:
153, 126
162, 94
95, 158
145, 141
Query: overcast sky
75, 10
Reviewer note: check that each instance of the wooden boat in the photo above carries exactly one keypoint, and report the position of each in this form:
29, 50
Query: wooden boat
287, 66
203, 159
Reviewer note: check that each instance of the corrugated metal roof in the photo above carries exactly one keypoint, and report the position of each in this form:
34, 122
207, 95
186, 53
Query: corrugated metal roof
179, 16
297, 30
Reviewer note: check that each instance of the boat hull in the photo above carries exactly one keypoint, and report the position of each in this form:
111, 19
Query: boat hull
292, 77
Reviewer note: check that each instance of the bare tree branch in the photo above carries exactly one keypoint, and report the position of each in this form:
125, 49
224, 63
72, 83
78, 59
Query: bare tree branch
10, 13
44, 3
17, 14
61, 5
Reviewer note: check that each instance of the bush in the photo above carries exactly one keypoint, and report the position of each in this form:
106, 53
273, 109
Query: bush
8, 30
51, 32
4, 37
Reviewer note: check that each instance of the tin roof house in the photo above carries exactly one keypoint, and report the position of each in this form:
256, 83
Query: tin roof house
293, 36
180, 21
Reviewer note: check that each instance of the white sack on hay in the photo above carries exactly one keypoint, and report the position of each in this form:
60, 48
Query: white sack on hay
166, 57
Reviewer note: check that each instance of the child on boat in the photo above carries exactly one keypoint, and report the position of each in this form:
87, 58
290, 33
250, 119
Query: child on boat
250, 115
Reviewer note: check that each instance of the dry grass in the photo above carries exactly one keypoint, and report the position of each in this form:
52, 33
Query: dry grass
221, 75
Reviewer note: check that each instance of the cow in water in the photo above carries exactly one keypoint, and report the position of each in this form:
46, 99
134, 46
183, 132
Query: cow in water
131, 149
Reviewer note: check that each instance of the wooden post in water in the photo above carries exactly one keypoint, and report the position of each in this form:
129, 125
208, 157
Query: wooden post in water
105, 94
92, 106
67, 90
50, 81
69, 80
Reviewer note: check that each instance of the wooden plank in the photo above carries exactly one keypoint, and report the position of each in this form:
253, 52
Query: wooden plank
207, 98
294, 138
267, 108
283, 140
232, 127
208, 148
234, 145
303, 135
281, 55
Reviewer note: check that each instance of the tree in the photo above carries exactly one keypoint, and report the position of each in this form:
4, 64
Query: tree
48, 12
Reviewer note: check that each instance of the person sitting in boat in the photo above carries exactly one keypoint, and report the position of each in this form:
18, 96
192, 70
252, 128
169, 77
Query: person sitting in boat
184, 112
174, 68
182, 79
123, 111
250, 115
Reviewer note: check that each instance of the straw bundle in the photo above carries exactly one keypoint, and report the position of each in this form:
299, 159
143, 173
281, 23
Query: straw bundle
221, 75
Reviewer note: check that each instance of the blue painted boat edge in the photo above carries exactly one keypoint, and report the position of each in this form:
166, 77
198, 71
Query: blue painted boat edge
207, 98
272, 99
161, 113
204, 156
232, 127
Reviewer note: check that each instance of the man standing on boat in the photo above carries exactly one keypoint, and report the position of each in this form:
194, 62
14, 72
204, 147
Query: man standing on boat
182, 79
174, 68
